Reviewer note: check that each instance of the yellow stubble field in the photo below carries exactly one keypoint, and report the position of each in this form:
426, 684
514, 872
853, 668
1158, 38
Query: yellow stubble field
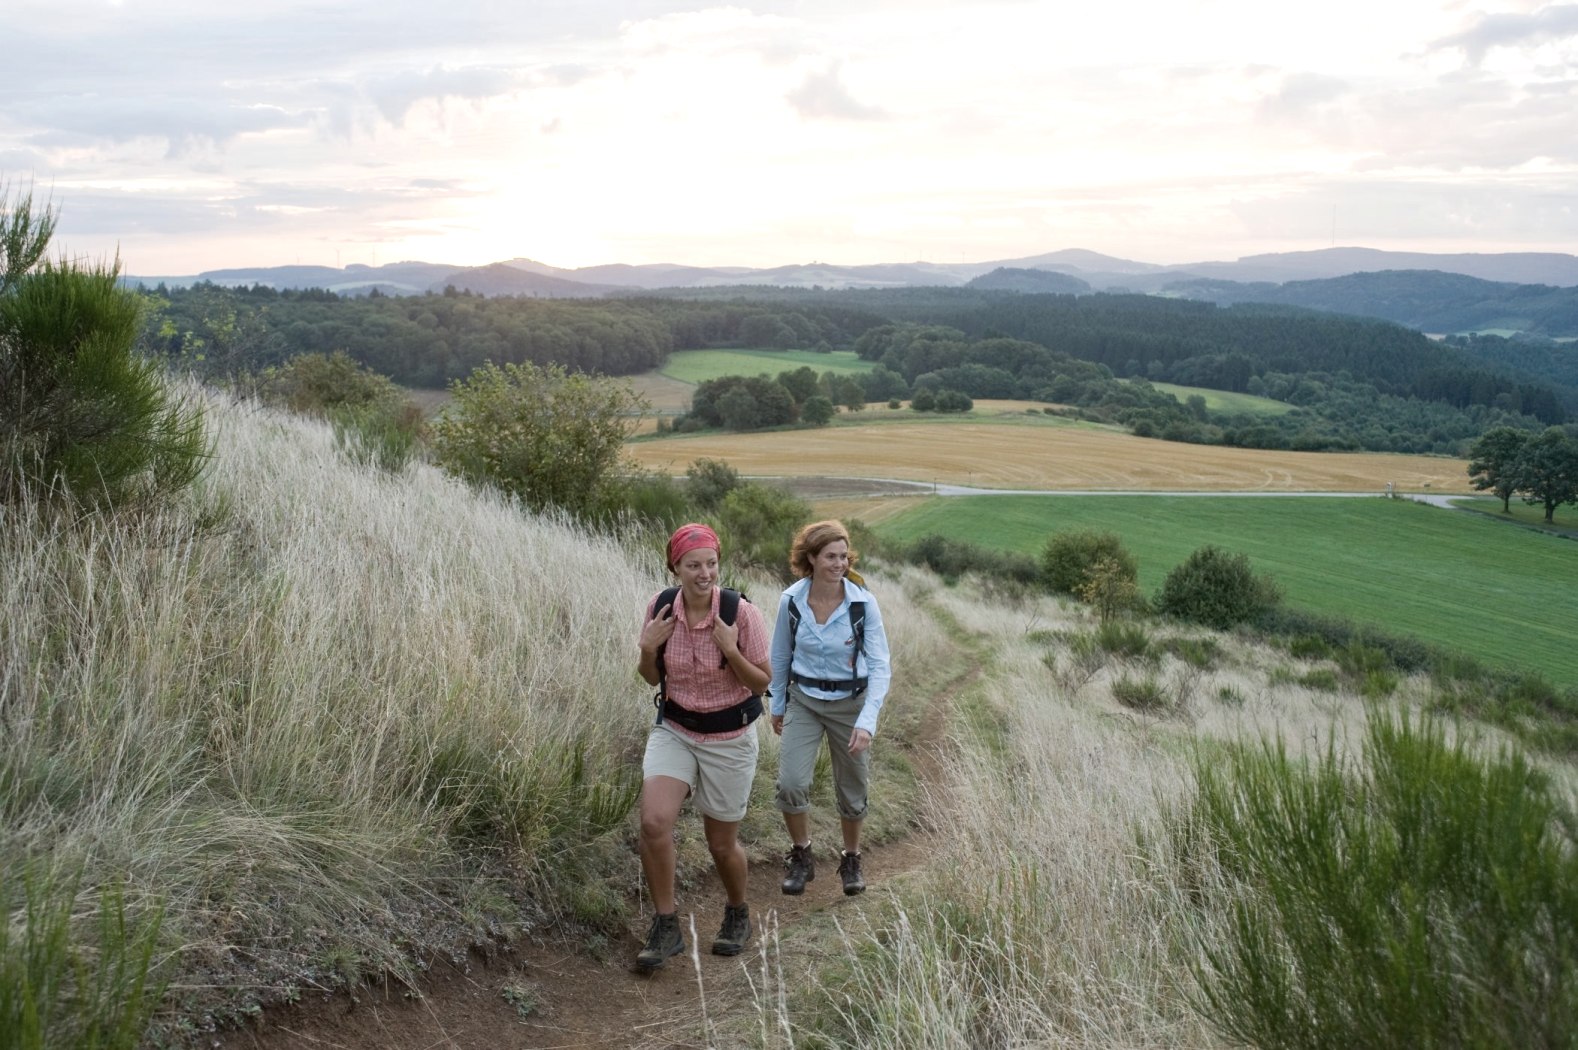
1050, 458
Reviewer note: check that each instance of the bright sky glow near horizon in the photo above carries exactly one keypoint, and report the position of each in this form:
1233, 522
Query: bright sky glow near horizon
192, 136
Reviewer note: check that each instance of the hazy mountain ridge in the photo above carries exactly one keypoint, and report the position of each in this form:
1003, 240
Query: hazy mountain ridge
1526, 291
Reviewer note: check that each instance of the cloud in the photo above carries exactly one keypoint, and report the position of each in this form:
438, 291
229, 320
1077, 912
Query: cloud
823, 96
183, 123
1302, 92
394, 95
1554, 22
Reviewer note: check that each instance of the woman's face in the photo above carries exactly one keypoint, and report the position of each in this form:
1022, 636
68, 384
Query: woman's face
831, 562
697, 571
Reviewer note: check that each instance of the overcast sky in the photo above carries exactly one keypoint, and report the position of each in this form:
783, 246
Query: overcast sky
195, 134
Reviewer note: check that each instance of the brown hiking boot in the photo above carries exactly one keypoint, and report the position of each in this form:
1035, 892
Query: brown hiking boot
799, 869
663, 940
849, 871
734, 932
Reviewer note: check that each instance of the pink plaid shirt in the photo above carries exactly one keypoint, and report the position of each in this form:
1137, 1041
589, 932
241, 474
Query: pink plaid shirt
691, 658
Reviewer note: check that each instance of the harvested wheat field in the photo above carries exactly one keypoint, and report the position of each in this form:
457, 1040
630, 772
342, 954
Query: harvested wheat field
1051, 458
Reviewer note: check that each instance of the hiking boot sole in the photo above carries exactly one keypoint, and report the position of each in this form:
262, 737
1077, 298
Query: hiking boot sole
852, 891
730, 949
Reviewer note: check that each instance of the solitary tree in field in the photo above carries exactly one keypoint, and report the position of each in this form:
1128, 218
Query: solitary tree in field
1491, 460
1546, 472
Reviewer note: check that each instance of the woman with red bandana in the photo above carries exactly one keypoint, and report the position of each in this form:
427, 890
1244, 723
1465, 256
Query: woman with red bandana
710, 675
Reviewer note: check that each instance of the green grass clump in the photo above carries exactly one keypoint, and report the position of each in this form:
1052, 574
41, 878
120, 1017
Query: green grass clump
92, 988
1428, 897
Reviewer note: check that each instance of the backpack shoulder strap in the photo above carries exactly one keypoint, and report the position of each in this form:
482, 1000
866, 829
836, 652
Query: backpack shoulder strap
857, 619
667, 598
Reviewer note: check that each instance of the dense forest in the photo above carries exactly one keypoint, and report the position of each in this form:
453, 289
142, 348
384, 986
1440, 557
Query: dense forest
1355, 383
1428, 300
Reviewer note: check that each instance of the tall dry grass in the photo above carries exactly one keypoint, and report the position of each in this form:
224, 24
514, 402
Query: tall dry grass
1042, 921
297, 706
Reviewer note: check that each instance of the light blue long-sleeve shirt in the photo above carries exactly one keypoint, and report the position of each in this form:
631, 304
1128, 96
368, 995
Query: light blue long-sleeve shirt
823, 650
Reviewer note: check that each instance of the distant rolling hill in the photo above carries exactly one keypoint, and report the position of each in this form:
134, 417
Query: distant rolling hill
1518, 291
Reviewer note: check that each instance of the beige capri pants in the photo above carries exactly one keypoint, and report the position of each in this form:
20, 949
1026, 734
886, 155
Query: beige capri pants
806, 721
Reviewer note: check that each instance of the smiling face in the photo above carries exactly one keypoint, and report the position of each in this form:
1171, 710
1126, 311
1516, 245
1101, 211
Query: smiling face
698, 572
829, 564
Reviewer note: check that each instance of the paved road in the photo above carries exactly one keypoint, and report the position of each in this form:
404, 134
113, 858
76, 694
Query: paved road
896, 487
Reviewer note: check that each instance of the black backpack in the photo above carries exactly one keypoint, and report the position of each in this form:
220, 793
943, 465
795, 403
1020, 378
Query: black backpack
742, 714
852, 685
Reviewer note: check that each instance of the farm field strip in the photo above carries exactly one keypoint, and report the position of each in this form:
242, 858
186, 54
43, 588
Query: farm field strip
1507, 595
698, 366
1049, 457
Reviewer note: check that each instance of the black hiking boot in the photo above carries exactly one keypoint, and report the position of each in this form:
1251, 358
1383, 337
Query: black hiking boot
799, 869
849, 871
734, 932
663, 940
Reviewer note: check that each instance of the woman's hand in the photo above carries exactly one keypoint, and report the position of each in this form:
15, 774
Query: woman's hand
859, 741
726, 636
657, 630
778, 725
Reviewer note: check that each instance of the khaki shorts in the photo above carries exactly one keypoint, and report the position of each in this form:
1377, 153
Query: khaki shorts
718, 774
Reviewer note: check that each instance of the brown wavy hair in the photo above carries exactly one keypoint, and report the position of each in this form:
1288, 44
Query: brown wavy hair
810, 540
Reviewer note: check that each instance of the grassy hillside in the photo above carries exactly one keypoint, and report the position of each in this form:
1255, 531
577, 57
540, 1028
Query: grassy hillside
335, 724
1506, 595
698, 366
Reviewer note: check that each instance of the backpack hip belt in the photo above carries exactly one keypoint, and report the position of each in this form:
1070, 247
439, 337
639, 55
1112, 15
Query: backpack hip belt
852, 686
739, 716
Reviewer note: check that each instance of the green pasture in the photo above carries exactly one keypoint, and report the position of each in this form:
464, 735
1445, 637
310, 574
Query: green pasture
1564, 521
698, 366
1226, 401
1506, 595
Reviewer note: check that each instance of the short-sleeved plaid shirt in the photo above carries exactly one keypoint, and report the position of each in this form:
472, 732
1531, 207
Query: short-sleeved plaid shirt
691, 658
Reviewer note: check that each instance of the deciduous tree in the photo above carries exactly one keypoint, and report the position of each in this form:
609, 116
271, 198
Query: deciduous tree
1491, 460
1546, 472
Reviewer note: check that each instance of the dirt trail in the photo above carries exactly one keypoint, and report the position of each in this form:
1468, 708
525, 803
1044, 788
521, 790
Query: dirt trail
582, 1001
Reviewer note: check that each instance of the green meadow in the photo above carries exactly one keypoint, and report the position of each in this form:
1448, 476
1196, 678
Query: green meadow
1506, 595
1227, 401
698, 366
1564, 521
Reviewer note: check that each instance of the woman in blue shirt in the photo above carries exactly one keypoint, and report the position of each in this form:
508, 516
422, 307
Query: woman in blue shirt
830, 677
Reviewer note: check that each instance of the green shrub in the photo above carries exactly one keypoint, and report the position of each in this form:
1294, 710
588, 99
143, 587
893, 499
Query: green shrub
952, 558
1321, 678
757, 524
82, 415
1201, 653
709, 481
1217, 589
1070, 556
1142, 694
1428, 897
1123, 638
548, 437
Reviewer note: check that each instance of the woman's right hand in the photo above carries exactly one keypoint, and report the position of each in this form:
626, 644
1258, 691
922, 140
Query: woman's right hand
657, 630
